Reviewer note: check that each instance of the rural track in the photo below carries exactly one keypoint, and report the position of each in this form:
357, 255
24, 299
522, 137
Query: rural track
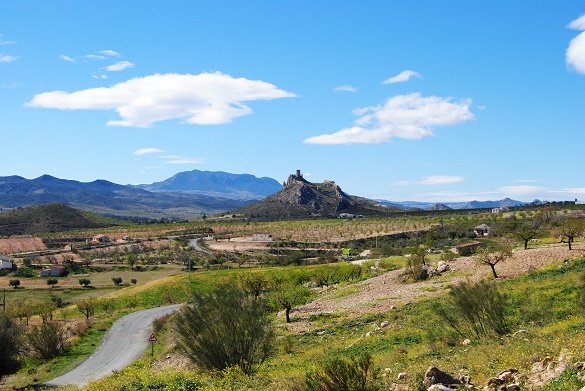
124, 343
194, 244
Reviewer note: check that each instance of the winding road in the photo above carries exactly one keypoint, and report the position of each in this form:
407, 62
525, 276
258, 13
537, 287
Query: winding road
194, 243
125, 342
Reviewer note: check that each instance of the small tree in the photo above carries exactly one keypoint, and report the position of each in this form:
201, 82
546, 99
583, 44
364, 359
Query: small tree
107, 306
526, 233
52, 282
570, 228
14, 283
87, 307
339, 374
134, 281
225, 328
253, 283
131, 260
289, 296
117, 281
492, 258
85, 282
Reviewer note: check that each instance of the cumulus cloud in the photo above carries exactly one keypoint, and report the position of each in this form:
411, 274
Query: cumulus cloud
7, 58
410, 116
575, 54
148, 151
345, 88
403, 76
203, 99
119, 66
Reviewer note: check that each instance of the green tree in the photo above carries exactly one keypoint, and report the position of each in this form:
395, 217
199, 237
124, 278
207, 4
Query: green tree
87, 307
14, 283
52, 282
131, 260
225, 328
253, 283
85, 282
288, 296
117, 281
526, 233
569, 229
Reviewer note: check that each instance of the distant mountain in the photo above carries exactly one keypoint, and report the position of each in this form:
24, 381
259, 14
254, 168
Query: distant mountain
105, 197
300, 198
453, 205
217, 183
440, 207
44, 218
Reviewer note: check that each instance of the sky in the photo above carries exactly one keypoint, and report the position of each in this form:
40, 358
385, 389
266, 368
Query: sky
397, 100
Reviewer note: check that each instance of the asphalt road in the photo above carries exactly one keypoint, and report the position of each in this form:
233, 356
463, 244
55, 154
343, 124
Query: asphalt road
194, 243
125, 342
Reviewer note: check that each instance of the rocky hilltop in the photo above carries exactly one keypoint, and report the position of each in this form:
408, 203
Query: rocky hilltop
300, 198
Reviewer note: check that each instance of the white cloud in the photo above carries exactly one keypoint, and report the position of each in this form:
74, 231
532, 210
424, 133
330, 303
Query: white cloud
522, 190
66, 58
7, 58
410, 116
403, 76
99, 76
575, 54
119, 66
441, 180
9, 85
203, 99
345, 88
147, 151
94, 56
185, 161
109, 53
433, 180
6, 42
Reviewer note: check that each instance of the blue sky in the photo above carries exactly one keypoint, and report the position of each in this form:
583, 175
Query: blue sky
402, 100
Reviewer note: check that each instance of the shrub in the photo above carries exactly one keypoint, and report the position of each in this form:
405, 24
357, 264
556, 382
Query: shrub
355, 374
9, 345
46, 341
477, 308
24, 271
14, 283
225, 328
134, 281
117, 281
52, 282
85, 282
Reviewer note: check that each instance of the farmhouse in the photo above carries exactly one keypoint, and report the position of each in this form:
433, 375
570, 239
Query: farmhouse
261, 238
482, 230
500, 209
5, 262
99, 239
54, 271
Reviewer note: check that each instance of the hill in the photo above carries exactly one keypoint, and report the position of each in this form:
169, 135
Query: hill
109, 198
218, 183
453, 205
44, 218
300, 198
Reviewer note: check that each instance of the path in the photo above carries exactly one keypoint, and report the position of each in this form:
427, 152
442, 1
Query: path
124, 343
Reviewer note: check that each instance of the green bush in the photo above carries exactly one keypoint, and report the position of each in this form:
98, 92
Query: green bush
9, 345
475, 308
355, 374
85, 282
225, 328
24, 271
14, 283
117, 281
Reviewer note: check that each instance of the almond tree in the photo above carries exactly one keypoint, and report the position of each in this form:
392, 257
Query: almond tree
570, 229
492, 258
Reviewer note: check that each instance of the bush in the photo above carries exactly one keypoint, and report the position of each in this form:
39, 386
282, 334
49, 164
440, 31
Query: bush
24, 271
225, 328
52, 282
46, 341
475, 308
85, 282
14, 283
117, 281
9, 345
134, 281
355, 374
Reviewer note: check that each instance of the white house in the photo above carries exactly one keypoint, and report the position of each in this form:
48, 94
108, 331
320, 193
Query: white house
482, 230
5, 262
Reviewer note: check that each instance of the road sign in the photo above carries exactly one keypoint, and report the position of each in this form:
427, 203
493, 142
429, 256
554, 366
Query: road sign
152, 338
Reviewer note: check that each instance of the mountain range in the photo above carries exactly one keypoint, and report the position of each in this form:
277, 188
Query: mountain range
191, 193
